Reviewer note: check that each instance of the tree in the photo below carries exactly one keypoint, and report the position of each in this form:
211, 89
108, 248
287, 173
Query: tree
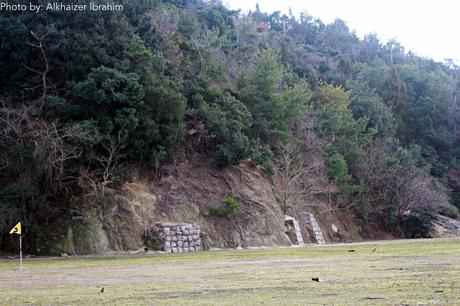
366, 103
274, 99
161, 115
296, 175
291, 171
112, 98
227, 121
44, 72
414, 190
344, 134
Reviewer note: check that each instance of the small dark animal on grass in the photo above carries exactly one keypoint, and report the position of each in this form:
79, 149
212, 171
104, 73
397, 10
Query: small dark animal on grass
102, 290
315, 279
351, 250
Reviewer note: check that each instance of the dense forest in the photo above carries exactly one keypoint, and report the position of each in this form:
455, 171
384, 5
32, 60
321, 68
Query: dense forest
86, 95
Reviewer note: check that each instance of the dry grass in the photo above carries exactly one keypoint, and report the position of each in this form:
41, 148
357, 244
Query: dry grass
398, 272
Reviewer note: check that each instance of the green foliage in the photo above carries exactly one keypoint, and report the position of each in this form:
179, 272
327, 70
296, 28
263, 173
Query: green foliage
227, 121
231, 206
336, 124
22, 201
366, 103
124, 81
161, 115
418, 224
262, 156
111, 97
217, 17
153, 243
274, 100
455, 193
346, 138
450, 211
228, 124
337, 168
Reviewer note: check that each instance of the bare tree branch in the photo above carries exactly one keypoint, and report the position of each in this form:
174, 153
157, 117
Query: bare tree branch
51, 150
44, 73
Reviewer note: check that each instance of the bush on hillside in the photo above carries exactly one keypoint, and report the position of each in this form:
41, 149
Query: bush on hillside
231, 206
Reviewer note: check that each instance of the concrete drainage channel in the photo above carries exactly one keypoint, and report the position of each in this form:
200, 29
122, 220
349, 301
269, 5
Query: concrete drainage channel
294, 233
293, 230
311, 220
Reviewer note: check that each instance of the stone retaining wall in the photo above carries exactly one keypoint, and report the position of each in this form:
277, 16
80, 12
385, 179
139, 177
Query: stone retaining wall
180, 237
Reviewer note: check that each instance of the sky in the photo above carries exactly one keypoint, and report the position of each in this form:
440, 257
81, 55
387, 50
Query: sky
429, 28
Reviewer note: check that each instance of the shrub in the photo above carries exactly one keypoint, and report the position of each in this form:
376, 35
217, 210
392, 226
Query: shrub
262, 155
337, 168
227, 121
153, 243
418, 224
292, 236
154, 238
231, 205
450, 211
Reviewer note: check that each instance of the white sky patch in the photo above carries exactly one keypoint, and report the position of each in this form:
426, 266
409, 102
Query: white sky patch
429, 28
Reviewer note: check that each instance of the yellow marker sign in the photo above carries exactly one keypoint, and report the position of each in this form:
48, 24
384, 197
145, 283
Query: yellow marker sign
17, 229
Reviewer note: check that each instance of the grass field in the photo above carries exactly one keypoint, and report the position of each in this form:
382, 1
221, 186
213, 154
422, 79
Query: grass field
414, 272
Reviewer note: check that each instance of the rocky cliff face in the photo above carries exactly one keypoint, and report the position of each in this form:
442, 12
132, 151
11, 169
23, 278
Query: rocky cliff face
446, 227
185, 194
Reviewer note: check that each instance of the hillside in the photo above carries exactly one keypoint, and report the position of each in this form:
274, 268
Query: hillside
112, 120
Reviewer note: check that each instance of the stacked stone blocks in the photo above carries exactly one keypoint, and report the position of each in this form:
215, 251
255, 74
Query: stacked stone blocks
181, 237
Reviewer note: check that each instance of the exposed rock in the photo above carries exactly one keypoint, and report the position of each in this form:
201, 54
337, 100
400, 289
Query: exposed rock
446, 227
185, 195
334, 228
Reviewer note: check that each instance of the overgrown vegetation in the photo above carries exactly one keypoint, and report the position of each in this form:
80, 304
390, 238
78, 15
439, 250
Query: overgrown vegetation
83, 95
231, 206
